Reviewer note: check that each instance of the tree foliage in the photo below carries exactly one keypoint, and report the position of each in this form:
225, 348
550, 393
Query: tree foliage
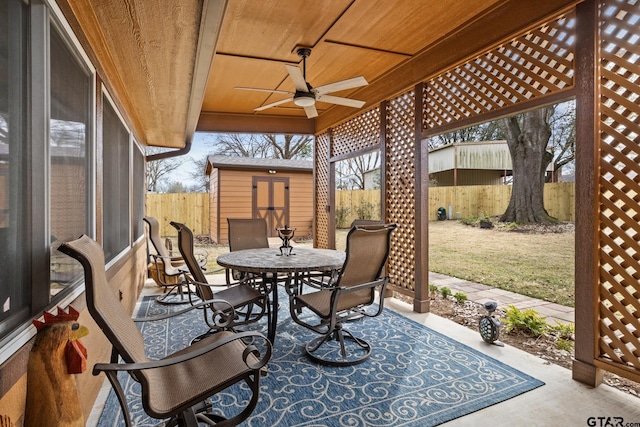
489, 131
350, 173
158, 172
266, 146
198, 175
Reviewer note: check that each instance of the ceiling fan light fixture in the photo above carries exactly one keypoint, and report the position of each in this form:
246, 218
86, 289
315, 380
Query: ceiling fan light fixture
305, 100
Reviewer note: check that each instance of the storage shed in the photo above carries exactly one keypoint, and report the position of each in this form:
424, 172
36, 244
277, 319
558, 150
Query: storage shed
279, 190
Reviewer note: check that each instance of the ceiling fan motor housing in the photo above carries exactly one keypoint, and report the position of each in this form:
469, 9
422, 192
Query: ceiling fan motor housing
304, 99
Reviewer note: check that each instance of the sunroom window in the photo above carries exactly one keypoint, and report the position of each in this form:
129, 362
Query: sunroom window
68, 160
14, 214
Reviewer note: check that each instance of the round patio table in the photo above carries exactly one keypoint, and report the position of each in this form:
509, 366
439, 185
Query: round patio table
269, 260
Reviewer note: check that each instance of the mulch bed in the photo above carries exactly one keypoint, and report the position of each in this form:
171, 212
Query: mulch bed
469, 313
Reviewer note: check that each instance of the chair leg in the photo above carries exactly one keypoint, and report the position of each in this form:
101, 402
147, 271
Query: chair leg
340, 335
175, 295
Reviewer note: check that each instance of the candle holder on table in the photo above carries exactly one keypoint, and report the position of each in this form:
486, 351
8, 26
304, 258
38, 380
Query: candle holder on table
286, 234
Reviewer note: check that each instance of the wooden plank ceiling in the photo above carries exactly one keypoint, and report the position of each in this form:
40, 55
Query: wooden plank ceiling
153, 53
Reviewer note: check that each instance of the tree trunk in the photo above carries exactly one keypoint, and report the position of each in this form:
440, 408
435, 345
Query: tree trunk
530, 160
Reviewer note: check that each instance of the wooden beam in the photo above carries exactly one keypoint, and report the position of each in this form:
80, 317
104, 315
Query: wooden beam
249, 123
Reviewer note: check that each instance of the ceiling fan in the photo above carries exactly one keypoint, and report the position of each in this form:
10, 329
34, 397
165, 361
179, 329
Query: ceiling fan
306, 95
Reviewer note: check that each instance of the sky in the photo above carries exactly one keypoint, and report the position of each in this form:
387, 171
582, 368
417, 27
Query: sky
198, 150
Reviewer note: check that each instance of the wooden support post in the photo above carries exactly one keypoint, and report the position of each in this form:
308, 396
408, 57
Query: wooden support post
586, 276
421, 301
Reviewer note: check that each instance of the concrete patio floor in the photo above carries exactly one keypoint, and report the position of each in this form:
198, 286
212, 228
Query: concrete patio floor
560, 402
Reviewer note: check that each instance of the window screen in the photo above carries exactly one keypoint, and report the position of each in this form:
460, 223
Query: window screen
68, 160
14, 213
116, 223
139, 192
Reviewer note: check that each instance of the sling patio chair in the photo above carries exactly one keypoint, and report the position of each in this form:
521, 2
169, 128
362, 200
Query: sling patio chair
348, 296
248, 233
168, 268
245, 233
250, 302
177, 386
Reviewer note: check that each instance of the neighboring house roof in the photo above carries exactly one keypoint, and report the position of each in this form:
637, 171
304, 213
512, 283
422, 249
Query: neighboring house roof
250, 163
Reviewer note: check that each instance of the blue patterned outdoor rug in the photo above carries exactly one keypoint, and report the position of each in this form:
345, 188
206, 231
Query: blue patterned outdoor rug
415, 376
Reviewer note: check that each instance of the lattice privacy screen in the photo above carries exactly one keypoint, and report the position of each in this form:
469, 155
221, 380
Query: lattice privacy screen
363, 131
619, 305
322, 190
400, 189
536, 64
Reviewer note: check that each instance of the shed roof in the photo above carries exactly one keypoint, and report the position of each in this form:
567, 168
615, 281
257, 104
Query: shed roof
250, 163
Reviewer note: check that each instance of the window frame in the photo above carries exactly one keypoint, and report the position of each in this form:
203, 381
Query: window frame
42, 15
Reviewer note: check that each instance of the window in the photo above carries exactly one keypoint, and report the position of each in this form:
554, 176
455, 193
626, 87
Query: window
46, 125
138, 199
14, 295
68, 161
116, 223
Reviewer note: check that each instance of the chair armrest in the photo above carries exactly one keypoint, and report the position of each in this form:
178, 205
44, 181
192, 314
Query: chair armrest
191, 281
197, 352
202, 304
378, 282
171, 259
176, 264
310, 278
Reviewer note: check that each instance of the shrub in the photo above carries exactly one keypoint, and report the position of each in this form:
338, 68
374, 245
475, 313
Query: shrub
342, 213
460, 297
367, 210
566, 345
563, 331
527, 321
445, 292
433, 289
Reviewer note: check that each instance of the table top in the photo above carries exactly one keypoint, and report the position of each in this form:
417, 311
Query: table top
269, 260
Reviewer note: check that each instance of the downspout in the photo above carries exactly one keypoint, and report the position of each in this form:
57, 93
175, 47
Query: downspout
170, 154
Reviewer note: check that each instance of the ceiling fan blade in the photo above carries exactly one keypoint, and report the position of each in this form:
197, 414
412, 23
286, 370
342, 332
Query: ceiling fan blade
311, 111
286, 92
340, 101
297, 78
273, 104
342, 85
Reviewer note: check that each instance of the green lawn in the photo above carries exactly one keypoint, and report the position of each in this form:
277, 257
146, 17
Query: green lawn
537, 265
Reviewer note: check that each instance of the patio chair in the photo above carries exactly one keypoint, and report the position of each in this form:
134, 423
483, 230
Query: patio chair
346, 297
168, 269
245, 233
176, 386
250, 302
366, 222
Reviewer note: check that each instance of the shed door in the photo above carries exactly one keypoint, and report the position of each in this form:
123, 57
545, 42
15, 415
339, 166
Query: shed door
271, 201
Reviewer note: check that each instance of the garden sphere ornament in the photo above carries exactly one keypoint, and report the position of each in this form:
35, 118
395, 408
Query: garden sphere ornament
490, 326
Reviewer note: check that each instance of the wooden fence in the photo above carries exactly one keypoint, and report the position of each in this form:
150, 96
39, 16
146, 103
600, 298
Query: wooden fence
463, 202
477, 200
191, 209
460, 202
